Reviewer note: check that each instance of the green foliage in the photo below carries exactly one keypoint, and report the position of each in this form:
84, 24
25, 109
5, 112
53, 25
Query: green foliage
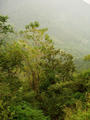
5, 113
79, 113
34, 71
24, 111
4, 28
21, 111
87, 58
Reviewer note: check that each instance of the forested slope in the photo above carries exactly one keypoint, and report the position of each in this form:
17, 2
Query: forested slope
38, 81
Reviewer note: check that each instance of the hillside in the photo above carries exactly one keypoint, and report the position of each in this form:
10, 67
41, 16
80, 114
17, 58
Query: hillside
37, 80
68, 21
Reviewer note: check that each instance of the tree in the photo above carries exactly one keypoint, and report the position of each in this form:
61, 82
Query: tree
4, 27
10, 66
38, 80
81, 112
87, 58
45, 63
24, 111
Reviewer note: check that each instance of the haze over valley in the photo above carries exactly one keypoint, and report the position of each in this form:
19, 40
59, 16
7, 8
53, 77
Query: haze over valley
68, 21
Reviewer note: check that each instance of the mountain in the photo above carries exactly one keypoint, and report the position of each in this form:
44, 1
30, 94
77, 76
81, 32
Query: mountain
68, 20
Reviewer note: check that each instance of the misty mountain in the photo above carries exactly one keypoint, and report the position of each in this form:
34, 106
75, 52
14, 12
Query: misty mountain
68, 21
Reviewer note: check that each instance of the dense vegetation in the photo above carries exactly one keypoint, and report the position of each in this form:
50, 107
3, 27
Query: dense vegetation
38, 81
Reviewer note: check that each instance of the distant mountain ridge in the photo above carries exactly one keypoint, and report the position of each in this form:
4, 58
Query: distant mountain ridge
68, 20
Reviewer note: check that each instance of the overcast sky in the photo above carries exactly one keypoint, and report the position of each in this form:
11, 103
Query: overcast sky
87, 1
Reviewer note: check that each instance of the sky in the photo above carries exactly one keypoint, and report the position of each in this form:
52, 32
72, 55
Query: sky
87, 1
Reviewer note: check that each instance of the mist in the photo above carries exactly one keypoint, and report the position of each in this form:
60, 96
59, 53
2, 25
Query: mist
67, 20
